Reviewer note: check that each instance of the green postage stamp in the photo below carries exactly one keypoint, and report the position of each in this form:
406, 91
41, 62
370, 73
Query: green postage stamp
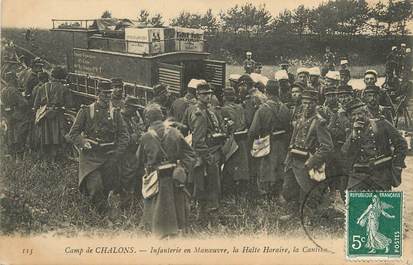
374, 224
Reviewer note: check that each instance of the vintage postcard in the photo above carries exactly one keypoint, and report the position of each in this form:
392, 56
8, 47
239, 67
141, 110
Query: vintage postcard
206, 132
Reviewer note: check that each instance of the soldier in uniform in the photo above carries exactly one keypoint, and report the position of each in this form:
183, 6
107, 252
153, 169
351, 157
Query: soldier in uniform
207, 141
164, 149
236, 170
372, 96
284, 66
162, 97
337, 124
53, 98
392, 60
314, 82
329, 59
309, 149
101, 134
129, 165
250, 96
117, 94
302, 76
16, 111
180, 105
285, 87
32, 79
258, 68
375, 149
296, 108
272, 118
249, 63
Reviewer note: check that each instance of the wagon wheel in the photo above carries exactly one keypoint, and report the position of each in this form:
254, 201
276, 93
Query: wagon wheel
71, 151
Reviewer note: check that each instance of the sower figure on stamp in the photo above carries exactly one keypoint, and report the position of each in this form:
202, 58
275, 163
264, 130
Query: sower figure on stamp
50, 103
164, 152
130, 184
375, 149
16, 110
309, 149
102, 137
271, 119
207, 140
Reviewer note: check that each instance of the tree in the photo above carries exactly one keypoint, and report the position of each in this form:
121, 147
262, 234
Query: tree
247, 18
143, 16
209, 22
187, 20
157, 20
106, 14
300, 19
283, 23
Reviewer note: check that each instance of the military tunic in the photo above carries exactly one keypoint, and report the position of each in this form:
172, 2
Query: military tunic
166, 213
203, 123
16, 110
180, 105
236, 167
100, 124
375, 142
57, 97
272, 118
309, 136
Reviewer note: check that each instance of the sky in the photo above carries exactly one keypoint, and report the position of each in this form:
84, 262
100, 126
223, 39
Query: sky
39, 13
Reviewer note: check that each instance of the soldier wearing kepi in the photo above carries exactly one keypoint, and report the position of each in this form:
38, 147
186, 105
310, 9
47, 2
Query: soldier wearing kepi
16, 110
271, 119
372, 96
207, 140
375, 149
100, 133
303, 76
285, 87
180, 105
50, 103
117, 94
164, 150
32, 79
309, 149
129, 165
345, 91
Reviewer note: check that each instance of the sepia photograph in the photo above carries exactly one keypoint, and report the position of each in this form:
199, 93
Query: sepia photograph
206, 132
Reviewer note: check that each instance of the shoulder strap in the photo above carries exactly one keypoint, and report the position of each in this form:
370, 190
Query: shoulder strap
92, 110
153, 133
277, 120
46, 88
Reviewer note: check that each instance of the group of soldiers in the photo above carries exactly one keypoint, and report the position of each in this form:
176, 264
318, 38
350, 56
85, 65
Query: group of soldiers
294, 140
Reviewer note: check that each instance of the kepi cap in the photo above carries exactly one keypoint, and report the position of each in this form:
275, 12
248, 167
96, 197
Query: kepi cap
132, 101
281, 75
333, 75
105, 86
314, 71
302, 70
310, 94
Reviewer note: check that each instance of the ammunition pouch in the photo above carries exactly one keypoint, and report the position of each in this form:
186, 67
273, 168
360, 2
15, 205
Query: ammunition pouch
375, 163
216, 139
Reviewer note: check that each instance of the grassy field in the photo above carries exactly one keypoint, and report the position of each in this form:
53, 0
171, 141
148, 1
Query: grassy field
39, 198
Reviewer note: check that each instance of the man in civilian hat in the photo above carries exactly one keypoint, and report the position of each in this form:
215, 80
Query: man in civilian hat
303, 76
164, 149
162, 97
117, 94
249, 63
129, 179
101, 135
180, 105
272, 118
284, 66
375, 149
285, 88
207, 140
54, 97
236, 171
309, 149
16, 111
372, 96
